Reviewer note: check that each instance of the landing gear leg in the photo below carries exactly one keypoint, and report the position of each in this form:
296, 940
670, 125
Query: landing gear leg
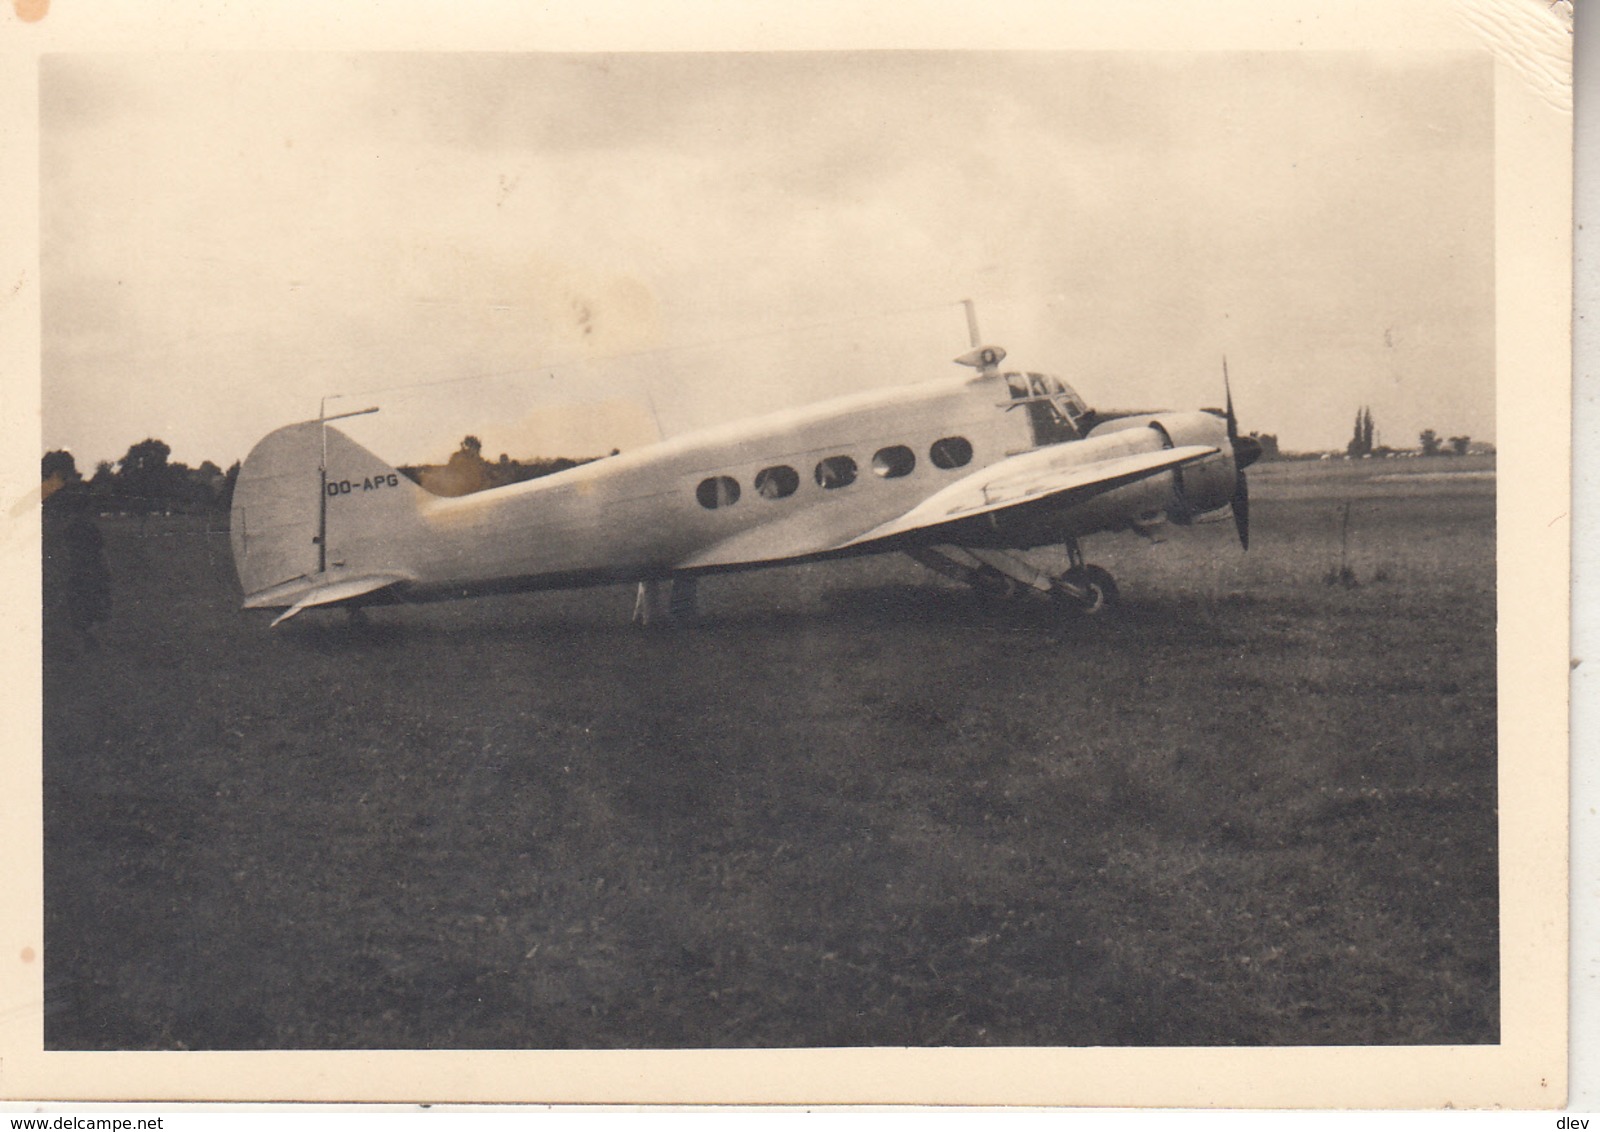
650, 606
673, 602
994, 573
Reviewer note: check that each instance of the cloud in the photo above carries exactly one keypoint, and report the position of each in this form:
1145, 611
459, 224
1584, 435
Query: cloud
228, 239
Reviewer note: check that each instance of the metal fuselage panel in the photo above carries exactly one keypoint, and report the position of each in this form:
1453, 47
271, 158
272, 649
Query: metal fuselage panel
637, 515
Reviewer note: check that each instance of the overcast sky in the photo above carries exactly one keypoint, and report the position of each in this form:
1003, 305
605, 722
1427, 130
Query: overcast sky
569, 253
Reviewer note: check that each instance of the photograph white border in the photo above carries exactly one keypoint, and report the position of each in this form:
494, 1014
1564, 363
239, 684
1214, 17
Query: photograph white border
1533, 124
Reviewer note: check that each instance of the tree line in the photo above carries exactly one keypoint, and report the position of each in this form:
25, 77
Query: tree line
147, 481
77, 583
144, 481
466, 471
1429, 442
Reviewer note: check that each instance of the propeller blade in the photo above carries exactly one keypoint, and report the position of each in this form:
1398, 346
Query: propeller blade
1241, 510
1233, 422
1246, 451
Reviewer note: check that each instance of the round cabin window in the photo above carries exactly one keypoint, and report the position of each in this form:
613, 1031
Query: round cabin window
951, 452
718, 491
891, 463
835, 472
777, 482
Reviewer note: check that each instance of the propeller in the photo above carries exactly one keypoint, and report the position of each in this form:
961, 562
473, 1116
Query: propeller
1246, 451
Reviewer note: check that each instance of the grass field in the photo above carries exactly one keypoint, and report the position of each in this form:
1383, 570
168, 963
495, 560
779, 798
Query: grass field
855, 806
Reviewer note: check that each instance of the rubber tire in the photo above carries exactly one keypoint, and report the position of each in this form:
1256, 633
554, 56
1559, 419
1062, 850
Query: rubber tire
1096, 579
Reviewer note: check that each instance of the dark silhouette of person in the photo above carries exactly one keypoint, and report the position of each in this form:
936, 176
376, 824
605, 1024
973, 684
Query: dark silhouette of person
76, 582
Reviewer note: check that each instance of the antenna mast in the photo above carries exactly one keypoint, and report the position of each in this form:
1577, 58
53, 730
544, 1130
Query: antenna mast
322, 473
972, 324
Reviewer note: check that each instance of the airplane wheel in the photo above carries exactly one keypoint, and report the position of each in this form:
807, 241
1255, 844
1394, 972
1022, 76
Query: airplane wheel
1101, 589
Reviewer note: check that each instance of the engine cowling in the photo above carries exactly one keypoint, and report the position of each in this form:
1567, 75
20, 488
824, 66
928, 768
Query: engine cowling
1205, 485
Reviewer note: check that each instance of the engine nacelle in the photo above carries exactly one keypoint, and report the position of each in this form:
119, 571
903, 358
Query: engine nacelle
1205, 485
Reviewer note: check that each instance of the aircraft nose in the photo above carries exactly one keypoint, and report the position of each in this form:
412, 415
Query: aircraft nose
1246, 451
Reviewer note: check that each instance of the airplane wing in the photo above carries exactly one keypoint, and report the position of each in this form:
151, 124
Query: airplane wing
1057, 473
1043, 474
303, 593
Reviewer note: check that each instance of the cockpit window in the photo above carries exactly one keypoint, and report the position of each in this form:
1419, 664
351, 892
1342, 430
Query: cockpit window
893, 462
718, 491
1053, 409
778, 482
835, 472
951, 452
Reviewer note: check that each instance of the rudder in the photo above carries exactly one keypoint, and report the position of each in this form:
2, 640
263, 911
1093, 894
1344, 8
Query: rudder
293, 522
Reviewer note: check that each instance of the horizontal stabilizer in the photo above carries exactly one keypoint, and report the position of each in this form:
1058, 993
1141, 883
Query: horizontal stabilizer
1042, 474
303, 593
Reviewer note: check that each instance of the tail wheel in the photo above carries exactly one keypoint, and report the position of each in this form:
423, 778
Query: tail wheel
1088, 589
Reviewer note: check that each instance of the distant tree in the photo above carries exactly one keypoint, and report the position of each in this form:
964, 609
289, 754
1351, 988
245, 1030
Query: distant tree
204, 488
1268, 442
1429, 442
142, 474
467, 471
103, 484
230, 479
205, 482
1460, 444
60, 465
193, 488
464, 473
147, 479
148, 457
1361, 440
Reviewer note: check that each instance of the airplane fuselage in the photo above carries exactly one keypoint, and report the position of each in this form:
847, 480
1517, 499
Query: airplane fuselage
798, 484
641, 513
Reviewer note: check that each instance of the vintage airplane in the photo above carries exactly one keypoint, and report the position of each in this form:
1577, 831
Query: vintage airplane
967, 476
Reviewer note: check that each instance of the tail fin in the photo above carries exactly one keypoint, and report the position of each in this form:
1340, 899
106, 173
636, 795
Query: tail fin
315, 514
